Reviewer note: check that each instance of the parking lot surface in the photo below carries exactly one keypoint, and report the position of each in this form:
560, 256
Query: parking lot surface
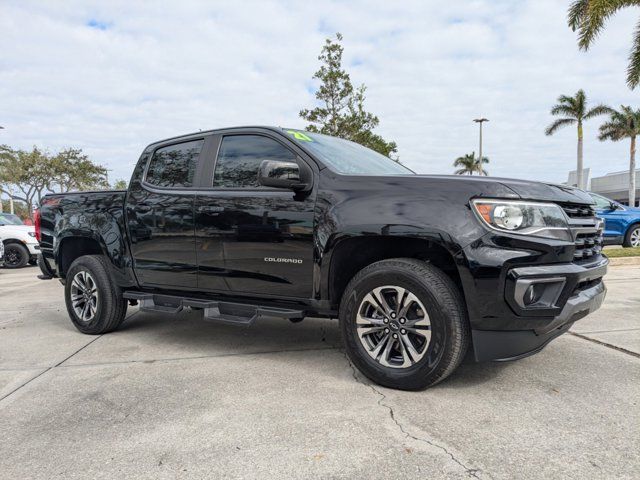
177, 397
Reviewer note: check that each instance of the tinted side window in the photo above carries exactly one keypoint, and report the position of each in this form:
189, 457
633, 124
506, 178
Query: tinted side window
240, 157
175, 165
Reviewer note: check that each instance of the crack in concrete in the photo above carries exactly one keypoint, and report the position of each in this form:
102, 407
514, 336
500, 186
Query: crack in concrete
472, 472
98, 337
48, 369
605, 344
609, 331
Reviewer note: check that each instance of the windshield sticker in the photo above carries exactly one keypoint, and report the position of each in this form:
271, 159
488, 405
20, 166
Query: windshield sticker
299, 136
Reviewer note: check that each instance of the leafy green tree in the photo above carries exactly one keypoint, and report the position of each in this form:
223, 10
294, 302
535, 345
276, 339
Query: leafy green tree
24, 175
73, 170
468, 164
573, 111
28, 175
588, 18
341, 110
624, 123
119, 184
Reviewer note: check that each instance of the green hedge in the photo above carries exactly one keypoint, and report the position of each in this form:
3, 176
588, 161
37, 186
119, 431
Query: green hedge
622, 252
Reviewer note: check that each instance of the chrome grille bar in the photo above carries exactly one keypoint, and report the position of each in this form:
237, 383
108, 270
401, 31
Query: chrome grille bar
586, 229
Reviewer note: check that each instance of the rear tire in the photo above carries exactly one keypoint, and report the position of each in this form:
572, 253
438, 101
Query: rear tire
15, 255
94, 302
632, 238
425, 324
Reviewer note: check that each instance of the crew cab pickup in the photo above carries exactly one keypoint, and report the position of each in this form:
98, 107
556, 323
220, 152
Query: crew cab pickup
252, 222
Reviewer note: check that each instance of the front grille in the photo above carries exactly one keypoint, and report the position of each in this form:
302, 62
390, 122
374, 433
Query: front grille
588, 245
578, 211
586, 229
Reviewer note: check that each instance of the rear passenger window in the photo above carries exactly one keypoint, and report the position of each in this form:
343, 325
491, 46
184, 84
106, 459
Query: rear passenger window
174, 166
240, 157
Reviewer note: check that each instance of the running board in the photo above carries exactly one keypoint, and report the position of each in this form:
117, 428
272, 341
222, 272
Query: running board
239, 314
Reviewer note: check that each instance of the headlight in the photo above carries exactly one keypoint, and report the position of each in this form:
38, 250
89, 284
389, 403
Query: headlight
524, 218
31, 234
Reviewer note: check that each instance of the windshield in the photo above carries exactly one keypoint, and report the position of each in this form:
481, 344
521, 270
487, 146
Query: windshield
345, 157
10, 219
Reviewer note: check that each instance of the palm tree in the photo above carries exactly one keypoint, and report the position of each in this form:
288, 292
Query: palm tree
624, 124
470, 164
588, 18
574, 111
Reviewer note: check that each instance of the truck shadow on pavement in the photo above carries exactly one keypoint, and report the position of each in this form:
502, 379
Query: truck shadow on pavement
187, 335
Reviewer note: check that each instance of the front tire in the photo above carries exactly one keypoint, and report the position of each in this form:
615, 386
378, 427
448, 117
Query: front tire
94, 303
632, 238
404, 323
15, 255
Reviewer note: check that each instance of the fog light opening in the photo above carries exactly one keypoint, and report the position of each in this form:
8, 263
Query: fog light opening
533, 293
538, 292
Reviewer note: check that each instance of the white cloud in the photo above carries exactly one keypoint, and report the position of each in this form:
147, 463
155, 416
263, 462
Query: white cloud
113, 77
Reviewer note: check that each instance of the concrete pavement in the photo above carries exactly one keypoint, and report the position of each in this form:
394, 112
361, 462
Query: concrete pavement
176, 397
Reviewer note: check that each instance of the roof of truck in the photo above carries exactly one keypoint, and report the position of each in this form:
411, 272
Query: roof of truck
224, 129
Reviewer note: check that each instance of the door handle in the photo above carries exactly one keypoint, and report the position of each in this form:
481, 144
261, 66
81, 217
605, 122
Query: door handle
210, 209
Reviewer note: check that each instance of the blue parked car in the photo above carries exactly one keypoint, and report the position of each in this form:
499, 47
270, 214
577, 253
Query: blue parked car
621, 223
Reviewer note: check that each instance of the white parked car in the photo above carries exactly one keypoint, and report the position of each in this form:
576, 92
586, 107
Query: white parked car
19, 241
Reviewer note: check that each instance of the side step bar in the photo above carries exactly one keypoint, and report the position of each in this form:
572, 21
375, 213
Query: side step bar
239, 314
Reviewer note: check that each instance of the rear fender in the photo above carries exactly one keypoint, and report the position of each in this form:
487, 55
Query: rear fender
90, 234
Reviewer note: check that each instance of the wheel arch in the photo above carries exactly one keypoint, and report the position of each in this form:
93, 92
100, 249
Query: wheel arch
631, 226
352, 254
72, 247
629, 229
8, 241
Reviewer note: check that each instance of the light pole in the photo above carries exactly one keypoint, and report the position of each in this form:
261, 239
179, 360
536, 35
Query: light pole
480, 121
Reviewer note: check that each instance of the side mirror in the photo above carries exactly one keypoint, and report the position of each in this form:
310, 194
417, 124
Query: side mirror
278, 174
613, 206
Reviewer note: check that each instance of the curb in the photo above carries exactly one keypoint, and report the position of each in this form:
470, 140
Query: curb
619, 261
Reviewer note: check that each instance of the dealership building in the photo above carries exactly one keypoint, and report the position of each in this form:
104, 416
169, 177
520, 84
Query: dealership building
613, 185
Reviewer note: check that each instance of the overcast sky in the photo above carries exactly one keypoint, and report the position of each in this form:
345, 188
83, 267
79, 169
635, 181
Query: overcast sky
111, 78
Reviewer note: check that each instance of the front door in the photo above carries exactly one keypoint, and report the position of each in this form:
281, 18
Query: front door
613, 217
254, 239
161, 220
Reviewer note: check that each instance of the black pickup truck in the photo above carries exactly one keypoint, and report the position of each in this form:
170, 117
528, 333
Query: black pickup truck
249, 222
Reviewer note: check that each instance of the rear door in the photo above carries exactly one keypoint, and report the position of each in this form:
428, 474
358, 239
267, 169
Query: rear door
160, 216
253, 239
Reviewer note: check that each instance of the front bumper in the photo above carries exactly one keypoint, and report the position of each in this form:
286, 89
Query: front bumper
34, 248
580, 291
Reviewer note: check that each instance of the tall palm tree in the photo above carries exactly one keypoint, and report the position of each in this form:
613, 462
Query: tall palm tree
469, 165
624, 123
588, 18
574, 111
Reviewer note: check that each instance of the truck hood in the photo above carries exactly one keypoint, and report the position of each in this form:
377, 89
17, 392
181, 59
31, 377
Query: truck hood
525, 189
